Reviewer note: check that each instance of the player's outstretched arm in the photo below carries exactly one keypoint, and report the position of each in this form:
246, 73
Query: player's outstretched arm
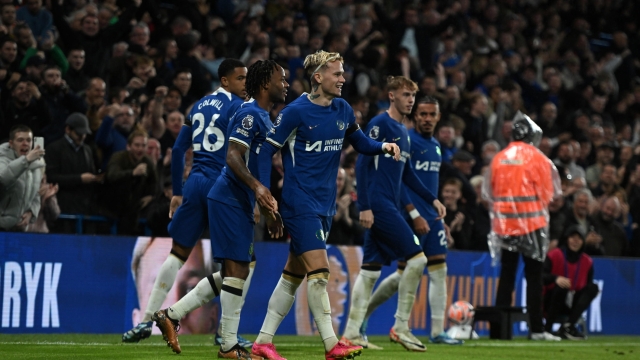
420, 225
182, 144
414, 183
362, 143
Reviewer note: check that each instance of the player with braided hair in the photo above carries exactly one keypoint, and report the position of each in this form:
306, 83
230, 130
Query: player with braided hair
310, 132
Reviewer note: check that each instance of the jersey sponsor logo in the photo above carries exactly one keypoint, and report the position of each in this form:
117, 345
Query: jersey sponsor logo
247, 122
242, 132
340, 124
329, 145
427, 166
374, 132
278, 120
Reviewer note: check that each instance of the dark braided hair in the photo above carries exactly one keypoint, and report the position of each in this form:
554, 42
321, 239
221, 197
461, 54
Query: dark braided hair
259, 76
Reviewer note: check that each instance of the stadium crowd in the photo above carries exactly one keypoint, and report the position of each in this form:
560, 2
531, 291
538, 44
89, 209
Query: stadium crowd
108, 84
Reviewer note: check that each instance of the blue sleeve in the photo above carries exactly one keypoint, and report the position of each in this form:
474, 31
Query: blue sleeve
412, 180
264, 163
182, 144
405, 199
362, 179
243, 127
363, 144
104, 137
286, 122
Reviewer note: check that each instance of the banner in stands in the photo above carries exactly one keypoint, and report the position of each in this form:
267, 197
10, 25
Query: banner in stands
101, 284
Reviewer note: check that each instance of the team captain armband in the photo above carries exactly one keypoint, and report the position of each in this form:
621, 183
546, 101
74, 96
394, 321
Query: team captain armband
351, 129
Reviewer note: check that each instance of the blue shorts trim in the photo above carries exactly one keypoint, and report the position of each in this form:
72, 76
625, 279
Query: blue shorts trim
308, 232
231, 232
191, 218
390, 238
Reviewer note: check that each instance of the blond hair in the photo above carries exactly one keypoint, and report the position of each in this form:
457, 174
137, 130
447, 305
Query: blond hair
398, 82
314, 62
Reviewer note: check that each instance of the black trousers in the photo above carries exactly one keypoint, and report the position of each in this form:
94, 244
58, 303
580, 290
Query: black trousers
533, 274
555, 304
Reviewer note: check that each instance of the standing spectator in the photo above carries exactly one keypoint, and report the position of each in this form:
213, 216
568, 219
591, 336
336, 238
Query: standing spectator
49, 209
182, 81
446, 136
94, 98
346, 228
8, 16
604, 156
175, 120
37, 17
518, 174
97, 43
75, 77
569, 287
60, 101
20, 175
9, 54
26, 107
114, 131
565, 158
71, 165
476, 125
131, 182
614, 240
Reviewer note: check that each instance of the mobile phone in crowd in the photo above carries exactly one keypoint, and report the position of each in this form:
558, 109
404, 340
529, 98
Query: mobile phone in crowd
38, 141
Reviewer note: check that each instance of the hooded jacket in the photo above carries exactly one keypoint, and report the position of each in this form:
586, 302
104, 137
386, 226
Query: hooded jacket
19, 185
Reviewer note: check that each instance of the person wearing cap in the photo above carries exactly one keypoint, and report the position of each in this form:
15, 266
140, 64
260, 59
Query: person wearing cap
519, 185
569, 287
71, 165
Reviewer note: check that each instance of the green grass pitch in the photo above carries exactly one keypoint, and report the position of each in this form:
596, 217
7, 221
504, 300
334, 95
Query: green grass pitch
303, 347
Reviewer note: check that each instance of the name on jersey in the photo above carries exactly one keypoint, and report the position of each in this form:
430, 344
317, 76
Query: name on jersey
404, 155
329, 145
428, 166
211, 102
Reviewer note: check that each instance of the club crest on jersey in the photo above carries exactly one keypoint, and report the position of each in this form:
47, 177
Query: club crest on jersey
340, 124
247, 122
374, 132
277, 121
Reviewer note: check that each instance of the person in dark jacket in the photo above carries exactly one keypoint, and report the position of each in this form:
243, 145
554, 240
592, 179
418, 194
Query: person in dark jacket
60, 101
569, 287
71, 165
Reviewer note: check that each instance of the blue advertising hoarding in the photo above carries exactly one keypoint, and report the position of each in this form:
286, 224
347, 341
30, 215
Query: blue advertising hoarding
100, 284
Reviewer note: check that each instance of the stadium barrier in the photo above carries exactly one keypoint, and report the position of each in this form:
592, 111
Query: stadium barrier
97, 284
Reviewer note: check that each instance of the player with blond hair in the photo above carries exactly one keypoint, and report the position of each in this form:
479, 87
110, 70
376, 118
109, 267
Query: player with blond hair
310, 131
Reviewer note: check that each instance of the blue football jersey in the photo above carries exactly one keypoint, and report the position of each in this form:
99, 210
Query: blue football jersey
426, 158
311, 138
380, 177
249, 126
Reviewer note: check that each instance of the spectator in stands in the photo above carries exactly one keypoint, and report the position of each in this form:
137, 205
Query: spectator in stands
558, 209
94, 98
565, 158
36, 16
152, 121
157, 213
346, 228
481, 222
457, 219
476, 129
569, 287
71, 165
608, 184
461, 168
140, 36
114, 131
604, 156
445, 136
97, 43
163, 163
75, 77
49, 209
131, 182
8, 16
20, 175
60, 101
173, 101
26, 107
9, 54
175, 120
614, 241
579, 215
182, 81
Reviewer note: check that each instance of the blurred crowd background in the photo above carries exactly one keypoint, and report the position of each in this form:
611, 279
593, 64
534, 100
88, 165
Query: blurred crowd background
134, 68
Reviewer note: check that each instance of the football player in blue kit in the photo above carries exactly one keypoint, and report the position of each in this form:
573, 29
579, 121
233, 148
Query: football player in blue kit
234, 195
425, 158
389, 237
205, 130
310, 131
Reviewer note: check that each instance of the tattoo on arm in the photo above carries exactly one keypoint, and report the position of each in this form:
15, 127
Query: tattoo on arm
238, 165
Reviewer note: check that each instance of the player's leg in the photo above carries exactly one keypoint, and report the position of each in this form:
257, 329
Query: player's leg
435, 247
362, 288
233, 246
386, 289
185, 228
279, 306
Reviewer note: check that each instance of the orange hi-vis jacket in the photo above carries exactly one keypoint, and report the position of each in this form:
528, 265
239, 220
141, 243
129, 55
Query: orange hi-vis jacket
522, 187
